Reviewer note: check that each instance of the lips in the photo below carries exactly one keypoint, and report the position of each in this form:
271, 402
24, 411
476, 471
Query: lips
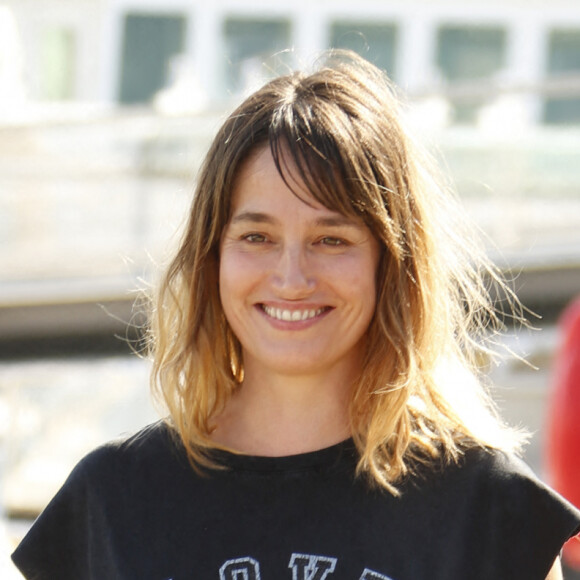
293, 315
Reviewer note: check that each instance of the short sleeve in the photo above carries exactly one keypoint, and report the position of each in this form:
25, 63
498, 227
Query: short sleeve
71, 537
95, 525
57, 545
541, 520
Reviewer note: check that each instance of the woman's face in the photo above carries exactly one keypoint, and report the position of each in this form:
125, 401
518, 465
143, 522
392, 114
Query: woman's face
297, 280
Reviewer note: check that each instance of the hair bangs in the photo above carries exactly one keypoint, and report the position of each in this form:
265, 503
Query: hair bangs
309, 153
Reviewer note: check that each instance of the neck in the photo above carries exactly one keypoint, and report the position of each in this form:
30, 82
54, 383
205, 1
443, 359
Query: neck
274, 415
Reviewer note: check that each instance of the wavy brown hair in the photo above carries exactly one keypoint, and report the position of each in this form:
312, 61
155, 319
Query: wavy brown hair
339, 129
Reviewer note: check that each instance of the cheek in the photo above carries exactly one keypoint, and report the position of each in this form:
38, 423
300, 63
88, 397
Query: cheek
359, 278
237, 277
363, 284
234, 268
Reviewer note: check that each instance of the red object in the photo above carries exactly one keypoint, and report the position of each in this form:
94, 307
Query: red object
563, 434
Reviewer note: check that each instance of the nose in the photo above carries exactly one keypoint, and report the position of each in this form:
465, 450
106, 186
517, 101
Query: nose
293, 276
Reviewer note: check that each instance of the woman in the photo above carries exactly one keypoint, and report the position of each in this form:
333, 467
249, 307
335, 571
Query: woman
312, 345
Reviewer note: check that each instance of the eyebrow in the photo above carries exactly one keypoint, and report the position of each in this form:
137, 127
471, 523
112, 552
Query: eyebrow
254, 217
264, 218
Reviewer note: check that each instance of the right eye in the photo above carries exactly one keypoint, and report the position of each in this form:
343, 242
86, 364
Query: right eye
254, 238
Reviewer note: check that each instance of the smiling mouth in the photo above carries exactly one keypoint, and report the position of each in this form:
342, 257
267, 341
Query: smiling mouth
293, 315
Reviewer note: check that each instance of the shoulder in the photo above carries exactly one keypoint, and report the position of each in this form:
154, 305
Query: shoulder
498, 475
500, 471
501, 492
153, 449
151, 442
495, 466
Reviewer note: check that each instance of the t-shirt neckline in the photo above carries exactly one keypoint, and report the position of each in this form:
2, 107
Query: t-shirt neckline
325, 457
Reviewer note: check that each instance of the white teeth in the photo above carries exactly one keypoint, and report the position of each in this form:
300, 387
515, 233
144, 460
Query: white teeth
291, 315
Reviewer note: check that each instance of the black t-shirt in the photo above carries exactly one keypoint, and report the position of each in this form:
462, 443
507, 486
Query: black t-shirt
137, 510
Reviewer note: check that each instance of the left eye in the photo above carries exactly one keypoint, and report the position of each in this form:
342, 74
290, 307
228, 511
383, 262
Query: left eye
328, 241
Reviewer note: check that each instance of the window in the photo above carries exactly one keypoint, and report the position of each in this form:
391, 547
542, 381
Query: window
254, 51
57, 64
149, 44
563, 60
468, 54
375, 42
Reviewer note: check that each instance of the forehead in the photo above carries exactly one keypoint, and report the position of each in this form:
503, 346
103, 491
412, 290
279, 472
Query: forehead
258, 163
260, 176
259, 180
261, 165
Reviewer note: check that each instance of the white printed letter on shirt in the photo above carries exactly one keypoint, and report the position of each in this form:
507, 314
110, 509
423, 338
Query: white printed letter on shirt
240, 569
370, 575
306, 567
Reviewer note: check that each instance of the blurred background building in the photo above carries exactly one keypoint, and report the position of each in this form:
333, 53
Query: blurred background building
106, 109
